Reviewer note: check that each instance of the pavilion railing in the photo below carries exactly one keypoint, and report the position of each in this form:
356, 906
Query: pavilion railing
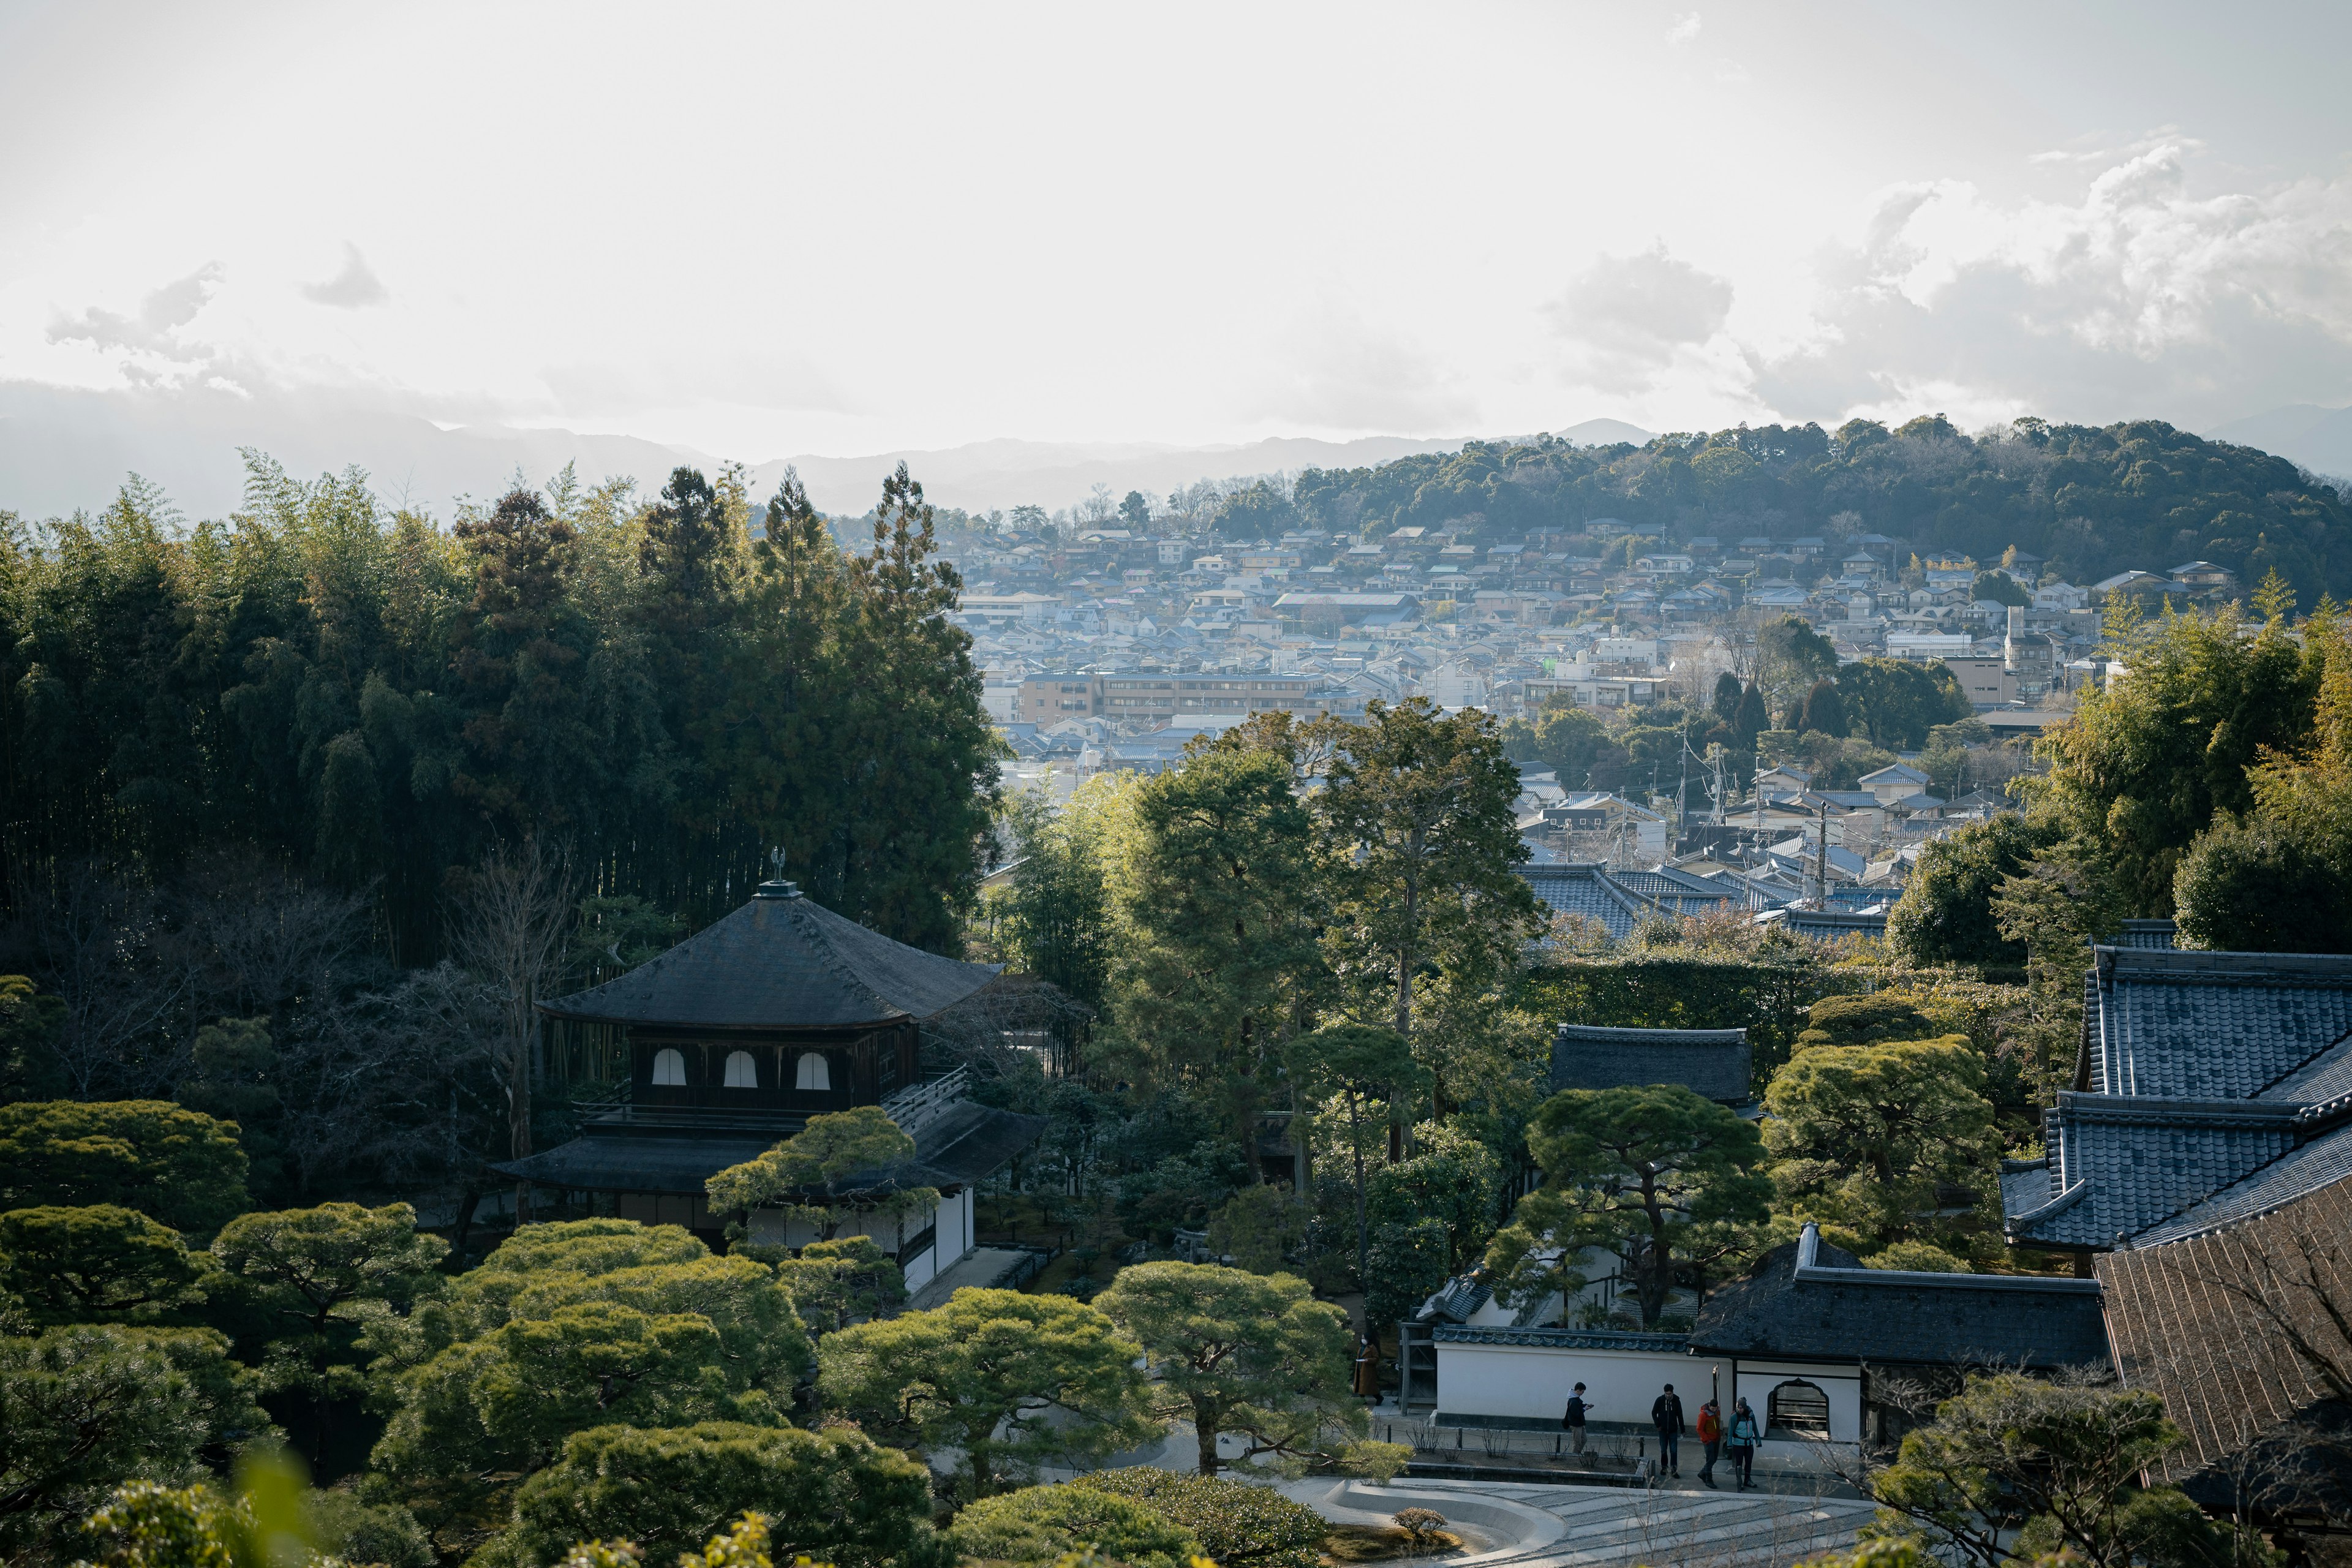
920, 1104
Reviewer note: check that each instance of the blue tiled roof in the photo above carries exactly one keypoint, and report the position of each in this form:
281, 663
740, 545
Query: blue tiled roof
1674, 892
2221, 1026
1713, 1063
1587, 891
2321, 1162
2213, 1085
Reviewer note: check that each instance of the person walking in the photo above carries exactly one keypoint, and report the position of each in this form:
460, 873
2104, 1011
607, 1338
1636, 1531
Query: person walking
1667, 1415
1367, 1369
1710, 1435
1744, 1435
1574, 1420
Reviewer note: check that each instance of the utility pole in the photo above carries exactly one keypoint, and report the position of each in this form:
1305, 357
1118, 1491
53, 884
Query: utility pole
1821, 856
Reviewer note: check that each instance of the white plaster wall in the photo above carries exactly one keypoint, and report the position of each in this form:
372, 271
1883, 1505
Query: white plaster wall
1842, 1384
1531, 1382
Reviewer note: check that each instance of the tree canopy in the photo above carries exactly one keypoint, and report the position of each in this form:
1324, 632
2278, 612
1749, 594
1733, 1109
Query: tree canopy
359, 692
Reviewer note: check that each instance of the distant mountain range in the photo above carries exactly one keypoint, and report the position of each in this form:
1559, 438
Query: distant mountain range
2318, 438
62, 448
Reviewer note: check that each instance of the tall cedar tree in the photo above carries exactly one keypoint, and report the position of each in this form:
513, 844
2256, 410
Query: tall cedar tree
1424, 838
1222, 901
375, 701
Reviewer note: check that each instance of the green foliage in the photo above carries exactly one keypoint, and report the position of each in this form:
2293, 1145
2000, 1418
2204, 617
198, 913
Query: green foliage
1235, 1522
1573, 741
86, 1407
1862, 1020
2273, 879
565, 1327
1662, 1178
2148, 763
1425, 800
1791, 658
1895, 701
177, 1166
1039, 1524
1822, 712
375, 700
314, 1277
30, 1026
2001, 588
835, 1283
1054, 921
1453, 1180
1258, 1227
231, 1067
1409, 1259
1674, 989
99, 1264
1009, 1380
1234, 1352
344, 1527
2067, 1457
1220, 905
1355, 1062
833, 1495
836, 1165
2255, 884
1945, 913
1877, 1137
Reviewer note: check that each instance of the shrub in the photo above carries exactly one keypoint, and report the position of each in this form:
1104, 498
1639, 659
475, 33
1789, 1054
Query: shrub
1421, 1524
1236, 1523
1375, 1461
1039, 1524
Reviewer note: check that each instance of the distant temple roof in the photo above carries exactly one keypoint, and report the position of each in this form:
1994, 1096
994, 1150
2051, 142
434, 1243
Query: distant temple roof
1807, 1300
1712, 1063
781, 962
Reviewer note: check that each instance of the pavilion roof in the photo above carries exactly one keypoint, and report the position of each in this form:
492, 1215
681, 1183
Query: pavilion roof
781, 962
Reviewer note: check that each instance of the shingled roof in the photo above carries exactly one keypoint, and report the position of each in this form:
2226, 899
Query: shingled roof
781, 962
1578, 889
1807, 1300
1713, 1063
2256, 1411
2211, 1085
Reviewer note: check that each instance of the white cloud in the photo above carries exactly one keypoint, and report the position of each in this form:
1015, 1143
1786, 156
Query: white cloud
2141, 297
1685, 30
354, 288
1628, 318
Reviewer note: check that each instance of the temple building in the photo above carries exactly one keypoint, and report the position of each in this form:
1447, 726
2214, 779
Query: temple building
733, 1039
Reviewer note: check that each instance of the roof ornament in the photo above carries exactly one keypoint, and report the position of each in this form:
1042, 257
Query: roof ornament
776, 887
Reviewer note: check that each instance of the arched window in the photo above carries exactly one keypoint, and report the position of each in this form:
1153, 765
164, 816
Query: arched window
1800, 1407
740, 1073
814, 1073
669, 1070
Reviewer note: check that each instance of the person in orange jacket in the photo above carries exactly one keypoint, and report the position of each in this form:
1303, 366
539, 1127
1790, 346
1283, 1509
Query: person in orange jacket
1711, 1433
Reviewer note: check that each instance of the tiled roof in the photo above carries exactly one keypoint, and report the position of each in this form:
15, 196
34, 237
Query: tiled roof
2148, 935
2221, 1026
2122, 1163
2248, 1402
780, 962
1714, 1063
1811, 1300
2324, 1161
1587, 891
1561, 1338
1825, 925
1673, 892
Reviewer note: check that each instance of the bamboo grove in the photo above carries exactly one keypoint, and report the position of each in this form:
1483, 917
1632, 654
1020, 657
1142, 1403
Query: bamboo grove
377, 701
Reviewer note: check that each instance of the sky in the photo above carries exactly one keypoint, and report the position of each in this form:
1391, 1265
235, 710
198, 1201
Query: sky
766, 230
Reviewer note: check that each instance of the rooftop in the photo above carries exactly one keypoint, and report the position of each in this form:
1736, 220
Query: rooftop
781, 962
1712, 1063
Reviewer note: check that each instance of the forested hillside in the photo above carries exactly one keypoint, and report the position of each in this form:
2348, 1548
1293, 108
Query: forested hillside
375, 700
2090, 500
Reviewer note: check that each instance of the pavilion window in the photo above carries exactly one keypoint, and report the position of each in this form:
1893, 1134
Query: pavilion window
814, 1073
669, 1070
741, 1072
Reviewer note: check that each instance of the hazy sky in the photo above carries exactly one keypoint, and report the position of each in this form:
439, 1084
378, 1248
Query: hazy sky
769, 228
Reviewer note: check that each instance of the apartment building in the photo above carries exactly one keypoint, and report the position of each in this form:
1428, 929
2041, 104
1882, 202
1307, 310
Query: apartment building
1158, 697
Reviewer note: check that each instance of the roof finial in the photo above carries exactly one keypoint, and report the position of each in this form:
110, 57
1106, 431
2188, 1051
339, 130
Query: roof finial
776, 887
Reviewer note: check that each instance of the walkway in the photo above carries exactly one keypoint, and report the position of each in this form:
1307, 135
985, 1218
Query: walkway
981, 1268
1610, 1527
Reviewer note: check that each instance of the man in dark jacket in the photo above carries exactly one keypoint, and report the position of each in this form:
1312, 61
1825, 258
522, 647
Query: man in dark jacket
1574, 1420
1667, 1415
